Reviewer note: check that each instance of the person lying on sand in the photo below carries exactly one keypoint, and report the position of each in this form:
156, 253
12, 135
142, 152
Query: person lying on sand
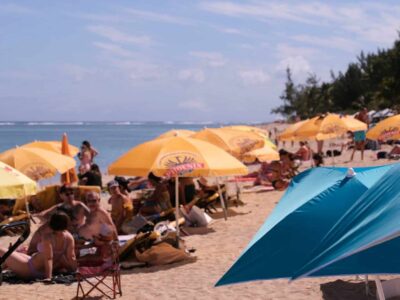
54, 251
121, 205
97, 220
76, 210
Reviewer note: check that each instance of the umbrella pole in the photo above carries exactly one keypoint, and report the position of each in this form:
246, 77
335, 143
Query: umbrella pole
221, 198
177, 209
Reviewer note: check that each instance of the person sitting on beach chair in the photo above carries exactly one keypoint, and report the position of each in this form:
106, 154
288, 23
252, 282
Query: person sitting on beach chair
97, 219
289, 164
54, 251
159, 203
121, 205
272, 175
76, 210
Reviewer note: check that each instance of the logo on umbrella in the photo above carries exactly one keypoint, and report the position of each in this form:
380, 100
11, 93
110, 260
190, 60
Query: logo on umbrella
244, 144
180, 163
37, 171
388, 133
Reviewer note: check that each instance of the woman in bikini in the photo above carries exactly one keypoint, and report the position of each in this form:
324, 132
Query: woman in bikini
52, 251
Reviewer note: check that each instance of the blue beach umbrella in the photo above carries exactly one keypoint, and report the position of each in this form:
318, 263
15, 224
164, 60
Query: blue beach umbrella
316, 209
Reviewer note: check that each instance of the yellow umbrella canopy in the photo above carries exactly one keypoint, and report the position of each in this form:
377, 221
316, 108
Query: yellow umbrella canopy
37, 163
327, 127
54, 146
177, 156
176, 132
14, 184
387, 129
263, 133
262, 154
235, 142
289, 133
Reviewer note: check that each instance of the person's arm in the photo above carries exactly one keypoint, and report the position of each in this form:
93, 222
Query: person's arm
45, 215
47, 251
69, 258
106, 218
32, 248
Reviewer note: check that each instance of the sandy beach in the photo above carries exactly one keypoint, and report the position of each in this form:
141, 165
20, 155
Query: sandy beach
217, 247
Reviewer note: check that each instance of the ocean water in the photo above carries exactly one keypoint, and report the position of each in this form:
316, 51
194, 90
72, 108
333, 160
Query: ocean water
111, 139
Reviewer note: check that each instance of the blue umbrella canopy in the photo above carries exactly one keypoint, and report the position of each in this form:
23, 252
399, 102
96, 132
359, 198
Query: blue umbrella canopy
314, 203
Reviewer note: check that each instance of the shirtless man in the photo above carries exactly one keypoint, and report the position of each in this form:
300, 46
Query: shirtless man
121, 205
99, 222
76, 210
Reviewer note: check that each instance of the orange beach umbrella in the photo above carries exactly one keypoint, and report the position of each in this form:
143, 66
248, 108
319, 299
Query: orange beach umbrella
69, 176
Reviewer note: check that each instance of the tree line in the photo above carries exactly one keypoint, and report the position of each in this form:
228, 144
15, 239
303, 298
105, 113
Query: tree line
373, 81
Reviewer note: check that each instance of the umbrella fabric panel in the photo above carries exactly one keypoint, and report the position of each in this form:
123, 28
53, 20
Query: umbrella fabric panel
288, 244
373, 219
381, 259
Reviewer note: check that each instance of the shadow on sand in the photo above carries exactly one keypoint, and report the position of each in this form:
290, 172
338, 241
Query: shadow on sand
345, 290
231, 213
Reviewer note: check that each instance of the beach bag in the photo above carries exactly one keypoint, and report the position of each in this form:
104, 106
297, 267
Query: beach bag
381, 155
161, 254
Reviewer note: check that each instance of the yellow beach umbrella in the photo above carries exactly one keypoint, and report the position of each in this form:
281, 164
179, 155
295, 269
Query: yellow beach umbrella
327, 127
263, 133
14, 184
289, 133
235, 142
177, 157
387, 129
176, 132
54, 146
37, 163
262, 154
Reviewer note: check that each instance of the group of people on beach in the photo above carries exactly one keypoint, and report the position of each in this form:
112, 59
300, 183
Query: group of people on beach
71, 223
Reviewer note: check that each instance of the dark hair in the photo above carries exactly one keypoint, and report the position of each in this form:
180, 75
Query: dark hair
122, 182
153, 177
65, 187
283, 152
95, 168
87, 144
59, 221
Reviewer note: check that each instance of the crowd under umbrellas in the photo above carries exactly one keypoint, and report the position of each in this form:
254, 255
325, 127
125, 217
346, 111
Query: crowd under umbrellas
210, 152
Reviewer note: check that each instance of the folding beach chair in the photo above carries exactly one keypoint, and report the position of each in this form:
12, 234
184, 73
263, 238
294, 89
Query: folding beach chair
98, 275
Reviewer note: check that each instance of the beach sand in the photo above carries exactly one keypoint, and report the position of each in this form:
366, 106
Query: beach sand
217, 249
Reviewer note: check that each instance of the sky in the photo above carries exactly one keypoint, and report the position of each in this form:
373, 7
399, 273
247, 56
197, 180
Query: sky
175, 60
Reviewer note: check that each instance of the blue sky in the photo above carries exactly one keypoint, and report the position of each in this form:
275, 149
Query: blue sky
175, 60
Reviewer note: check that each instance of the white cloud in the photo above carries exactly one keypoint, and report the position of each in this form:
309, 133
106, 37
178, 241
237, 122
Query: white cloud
139, 70
11, 8
334, 42
113, 49
157, 17
195, 75
213, 59
254, 77
118, 36
285, 50
297, 64
195, 104
373, 22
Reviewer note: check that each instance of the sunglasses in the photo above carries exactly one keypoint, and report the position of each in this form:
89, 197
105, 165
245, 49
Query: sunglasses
68, 193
